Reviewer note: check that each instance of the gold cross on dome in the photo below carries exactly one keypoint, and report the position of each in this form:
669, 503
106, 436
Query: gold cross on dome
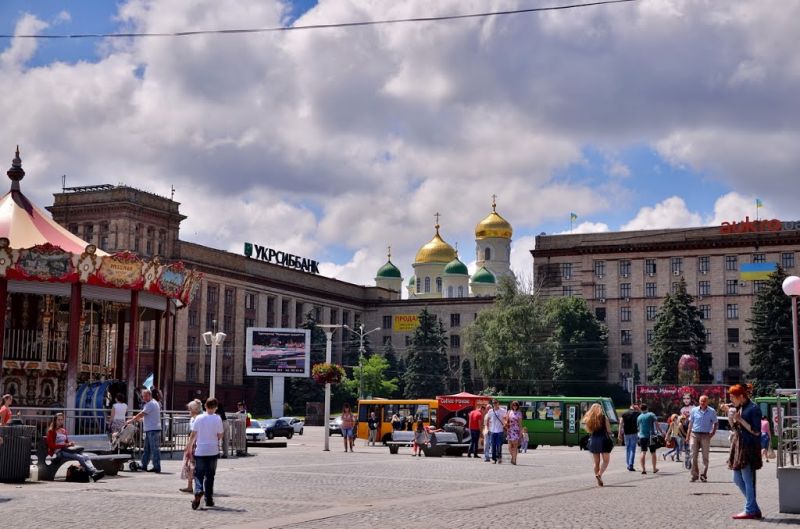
437, 215
389, 252
494, 202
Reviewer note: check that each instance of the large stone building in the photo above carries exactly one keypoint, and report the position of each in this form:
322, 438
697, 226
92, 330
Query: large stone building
625, 275
238, 291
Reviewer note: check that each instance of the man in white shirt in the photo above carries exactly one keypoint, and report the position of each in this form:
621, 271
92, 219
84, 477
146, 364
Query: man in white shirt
203, 445
497, 424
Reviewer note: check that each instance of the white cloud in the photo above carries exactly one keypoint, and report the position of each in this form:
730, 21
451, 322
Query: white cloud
669, 213
343, 141
589, 227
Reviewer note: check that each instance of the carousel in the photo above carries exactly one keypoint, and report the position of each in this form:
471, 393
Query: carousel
73, 313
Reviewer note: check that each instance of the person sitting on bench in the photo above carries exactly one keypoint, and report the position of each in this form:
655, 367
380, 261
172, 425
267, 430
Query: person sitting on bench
58, 444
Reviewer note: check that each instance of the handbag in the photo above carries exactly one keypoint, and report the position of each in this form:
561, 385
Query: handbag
608, 444
657, 440
671, 442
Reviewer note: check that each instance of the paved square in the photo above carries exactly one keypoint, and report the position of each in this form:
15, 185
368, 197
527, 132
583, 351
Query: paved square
303, 487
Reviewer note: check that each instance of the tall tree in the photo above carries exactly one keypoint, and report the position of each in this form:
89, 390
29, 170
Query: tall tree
579, 345
678, 331
393, 366
509, 343
371, 380
426, 364
771, 353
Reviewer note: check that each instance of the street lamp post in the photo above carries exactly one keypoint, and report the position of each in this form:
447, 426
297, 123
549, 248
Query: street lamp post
329, 330
791, 287
361, 334
213, 340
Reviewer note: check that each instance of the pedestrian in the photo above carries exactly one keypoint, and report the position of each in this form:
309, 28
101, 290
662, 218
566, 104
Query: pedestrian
497, 426
203, 446
187, 469
766, 438
702, 427
474, 420
151, 424
348, 424
58, 444
116, 420
372, 427
514, 430
745, 454
397, 423
226, 436
629, 435
600, 443
487, 438
240, 426
420, 439
5, 409
675, 435
648, 426
525, 440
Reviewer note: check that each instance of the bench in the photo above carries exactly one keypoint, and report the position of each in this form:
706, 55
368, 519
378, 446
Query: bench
96, 447
400, 438
446, 444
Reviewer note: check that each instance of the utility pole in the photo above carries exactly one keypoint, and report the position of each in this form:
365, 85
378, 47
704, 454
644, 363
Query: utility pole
361, 334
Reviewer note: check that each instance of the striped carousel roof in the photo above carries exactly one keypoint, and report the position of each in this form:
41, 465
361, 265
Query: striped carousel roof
26, 225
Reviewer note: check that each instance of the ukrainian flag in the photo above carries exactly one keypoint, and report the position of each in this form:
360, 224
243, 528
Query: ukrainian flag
573, 217
756, 271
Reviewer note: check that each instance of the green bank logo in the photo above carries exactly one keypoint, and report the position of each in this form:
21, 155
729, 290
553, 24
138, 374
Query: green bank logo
248, 249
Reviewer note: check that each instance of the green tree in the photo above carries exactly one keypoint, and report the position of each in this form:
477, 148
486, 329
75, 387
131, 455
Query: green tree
300, 390
371, 379
426, 363
771, 353
678, 331
466, 376
509, 343
579, 345
393, 367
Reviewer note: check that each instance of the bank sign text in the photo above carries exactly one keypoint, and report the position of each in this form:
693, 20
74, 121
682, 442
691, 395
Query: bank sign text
279, 257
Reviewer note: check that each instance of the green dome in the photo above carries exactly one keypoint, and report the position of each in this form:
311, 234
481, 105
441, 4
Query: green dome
483, 276
411, 281
389, 270
456, 267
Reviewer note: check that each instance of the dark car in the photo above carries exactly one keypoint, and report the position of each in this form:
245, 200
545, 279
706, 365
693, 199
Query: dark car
277, 428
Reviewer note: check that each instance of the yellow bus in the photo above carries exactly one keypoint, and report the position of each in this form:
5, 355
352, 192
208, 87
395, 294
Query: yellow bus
406, 409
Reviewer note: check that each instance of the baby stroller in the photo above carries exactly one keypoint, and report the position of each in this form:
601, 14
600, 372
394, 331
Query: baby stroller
125, 440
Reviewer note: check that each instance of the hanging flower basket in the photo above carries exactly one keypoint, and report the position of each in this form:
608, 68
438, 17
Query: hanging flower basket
327, 373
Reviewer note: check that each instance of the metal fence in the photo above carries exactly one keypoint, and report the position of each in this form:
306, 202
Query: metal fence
174, 428
788, 428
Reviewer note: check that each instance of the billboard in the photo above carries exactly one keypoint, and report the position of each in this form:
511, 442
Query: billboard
405, 322
668, 399
278, 352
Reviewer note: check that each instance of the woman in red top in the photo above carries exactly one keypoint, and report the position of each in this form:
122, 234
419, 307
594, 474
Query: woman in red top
5, 409
58, 444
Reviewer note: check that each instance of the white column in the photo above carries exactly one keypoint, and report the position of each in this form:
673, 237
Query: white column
277, 396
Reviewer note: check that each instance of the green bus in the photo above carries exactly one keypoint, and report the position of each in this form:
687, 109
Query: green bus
769, 409
557, 421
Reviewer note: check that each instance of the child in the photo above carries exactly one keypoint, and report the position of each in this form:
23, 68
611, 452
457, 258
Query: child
524, 441
420, 439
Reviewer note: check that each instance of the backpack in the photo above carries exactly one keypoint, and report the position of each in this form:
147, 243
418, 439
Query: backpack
77, 474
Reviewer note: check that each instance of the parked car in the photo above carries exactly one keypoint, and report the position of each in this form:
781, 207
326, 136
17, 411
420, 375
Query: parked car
278, 428
722, 439
335, 425
255, 432
295, 423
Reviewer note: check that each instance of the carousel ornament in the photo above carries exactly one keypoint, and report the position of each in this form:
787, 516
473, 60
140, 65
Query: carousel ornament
150, 271
86, 263
8, 257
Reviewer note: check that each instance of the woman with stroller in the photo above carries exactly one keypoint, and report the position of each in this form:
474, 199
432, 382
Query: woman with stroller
59, 445
116, 420
420, 439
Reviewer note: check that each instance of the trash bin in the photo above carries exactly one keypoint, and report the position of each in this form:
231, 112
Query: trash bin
15, 453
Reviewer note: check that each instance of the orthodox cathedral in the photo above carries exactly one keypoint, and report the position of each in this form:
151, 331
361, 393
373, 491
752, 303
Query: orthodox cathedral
439, 273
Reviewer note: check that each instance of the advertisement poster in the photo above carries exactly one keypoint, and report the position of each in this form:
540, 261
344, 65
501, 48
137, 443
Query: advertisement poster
668, 399
405, 322
278, 352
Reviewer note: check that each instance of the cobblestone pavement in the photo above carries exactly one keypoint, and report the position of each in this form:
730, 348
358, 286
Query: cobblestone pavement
303, 487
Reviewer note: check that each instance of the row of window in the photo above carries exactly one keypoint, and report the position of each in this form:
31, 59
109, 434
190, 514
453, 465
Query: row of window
732, 287
626, 360
455, 340
626, 336
676, 265
651, 312
424, 286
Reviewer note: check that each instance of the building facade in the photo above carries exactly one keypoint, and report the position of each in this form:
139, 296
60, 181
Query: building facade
624, 277
238, 291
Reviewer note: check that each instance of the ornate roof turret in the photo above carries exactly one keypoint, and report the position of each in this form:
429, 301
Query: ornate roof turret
493, 226
435, 251
389, 270
484, 275
16, 173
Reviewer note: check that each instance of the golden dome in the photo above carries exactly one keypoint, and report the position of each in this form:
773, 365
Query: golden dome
436, 251
493, 226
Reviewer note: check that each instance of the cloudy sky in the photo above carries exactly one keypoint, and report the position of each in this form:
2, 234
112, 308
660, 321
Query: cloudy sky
335, 143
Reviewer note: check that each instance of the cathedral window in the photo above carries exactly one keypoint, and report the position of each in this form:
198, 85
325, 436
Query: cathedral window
487, 254
427, 285
439, 285
461, 291
450, 291
419, 285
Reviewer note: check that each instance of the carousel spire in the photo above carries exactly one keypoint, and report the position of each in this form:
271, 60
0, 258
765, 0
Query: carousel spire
16, 173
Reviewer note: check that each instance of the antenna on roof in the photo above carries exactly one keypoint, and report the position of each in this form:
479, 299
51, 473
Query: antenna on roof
172, 193
63, 183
